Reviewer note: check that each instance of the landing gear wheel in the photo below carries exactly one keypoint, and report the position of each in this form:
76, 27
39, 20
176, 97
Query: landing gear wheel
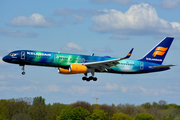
84, 78
87, 79
91, 77
95, 79
23, 73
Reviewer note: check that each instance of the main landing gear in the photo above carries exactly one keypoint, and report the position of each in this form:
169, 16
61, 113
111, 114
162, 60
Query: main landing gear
23, 70
91, 77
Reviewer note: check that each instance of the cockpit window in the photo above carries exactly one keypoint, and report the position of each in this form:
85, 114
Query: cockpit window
12, 54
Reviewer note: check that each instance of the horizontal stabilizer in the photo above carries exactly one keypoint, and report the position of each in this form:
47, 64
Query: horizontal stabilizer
162, 66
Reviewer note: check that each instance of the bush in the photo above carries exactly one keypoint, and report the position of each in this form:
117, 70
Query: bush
144, 116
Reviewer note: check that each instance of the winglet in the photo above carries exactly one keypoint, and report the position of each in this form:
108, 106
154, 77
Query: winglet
128, 55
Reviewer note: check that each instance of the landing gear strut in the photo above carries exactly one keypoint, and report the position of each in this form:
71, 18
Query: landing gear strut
23, 73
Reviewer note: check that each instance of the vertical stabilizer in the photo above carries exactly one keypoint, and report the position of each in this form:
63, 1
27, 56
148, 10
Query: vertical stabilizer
158, 53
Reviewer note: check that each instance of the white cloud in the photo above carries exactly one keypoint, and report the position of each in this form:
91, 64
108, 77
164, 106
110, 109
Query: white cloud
78, 19
53, 88
72, 47
13, 76
77, 90
64, 11
170, 4
13, 33
71, 16
35, 20
146, 91
120, 37
124, 89
1, 61
140, 19
19, 89
2, 77
122, 2
108, 86
105, 49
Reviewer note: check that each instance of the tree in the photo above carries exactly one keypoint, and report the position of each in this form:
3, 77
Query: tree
130, 109
146, 105
65, 113
38, 110
54, 110
77, 113
82, 104
38, 100
162, 104
144, 116
110, 110
121, 116
98, 114
21, 116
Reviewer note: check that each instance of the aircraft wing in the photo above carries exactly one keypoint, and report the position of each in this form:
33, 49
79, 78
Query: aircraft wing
103, 65
162, 66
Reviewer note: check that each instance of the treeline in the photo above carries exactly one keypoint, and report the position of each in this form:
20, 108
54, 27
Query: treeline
36, 109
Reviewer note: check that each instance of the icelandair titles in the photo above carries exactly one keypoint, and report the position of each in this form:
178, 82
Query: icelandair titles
42, 54
153, 59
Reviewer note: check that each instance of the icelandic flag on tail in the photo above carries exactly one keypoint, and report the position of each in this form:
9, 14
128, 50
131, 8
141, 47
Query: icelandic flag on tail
158, 53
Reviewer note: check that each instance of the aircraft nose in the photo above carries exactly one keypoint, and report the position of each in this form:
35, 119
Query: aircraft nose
5, 59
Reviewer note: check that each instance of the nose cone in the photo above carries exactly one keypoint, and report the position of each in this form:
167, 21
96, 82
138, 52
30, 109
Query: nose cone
5, 59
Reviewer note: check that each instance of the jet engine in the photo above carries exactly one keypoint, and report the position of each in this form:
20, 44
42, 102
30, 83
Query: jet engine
74, 69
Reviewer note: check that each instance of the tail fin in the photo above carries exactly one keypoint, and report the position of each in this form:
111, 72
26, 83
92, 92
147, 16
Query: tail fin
158, 53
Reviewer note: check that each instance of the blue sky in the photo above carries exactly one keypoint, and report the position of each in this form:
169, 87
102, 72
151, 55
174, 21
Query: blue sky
103, 27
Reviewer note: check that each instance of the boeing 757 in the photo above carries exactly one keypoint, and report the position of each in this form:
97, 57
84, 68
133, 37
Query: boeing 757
84, 64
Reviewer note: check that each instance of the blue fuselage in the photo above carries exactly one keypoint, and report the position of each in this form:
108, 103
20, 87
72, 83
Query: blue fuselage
62, 60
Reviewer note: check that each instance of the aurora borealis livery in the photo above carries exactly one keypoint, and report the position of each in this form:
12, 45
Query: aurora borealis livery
74, 63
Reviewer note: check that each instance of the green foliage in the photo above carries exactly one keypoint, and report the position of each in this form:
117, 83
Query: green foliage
110, 110
21, 116
146, 105
121, 116
54, 110
80, 113
4, 109
70, 113
38, 112
130, 109
65, 113
82, 104
98, 114
38, 100
144, 116
36, 109
1, 117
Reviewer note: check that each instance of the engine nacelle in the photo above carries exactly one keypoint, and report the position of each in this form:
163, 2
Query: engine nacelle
77, 68
64, 71
74, 69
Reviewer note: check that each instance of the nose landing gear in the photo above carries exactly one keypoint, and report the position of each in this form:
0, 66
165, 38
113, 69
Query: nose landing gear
23, 70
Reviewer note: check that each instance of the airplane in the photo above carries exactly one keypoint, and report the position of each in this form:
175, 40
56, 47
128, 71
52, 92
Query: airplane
84, 64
